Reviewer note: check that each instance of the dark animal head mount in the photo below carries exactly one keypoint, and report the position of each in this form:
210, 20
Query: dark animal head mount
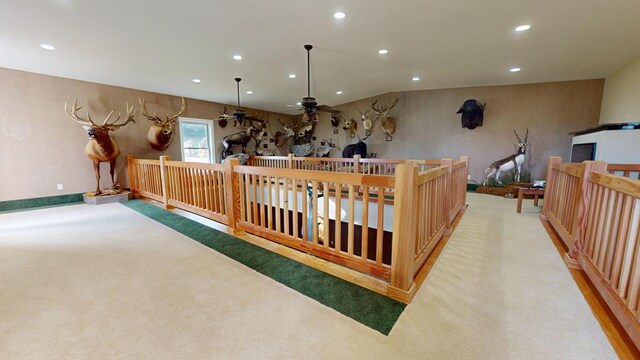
359, 148
472, 113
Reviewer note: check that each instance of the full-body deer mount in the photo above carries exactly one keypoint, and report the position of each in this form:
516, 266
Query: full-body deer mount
241, 138
510, 162
161, 132
101, 147
388, 123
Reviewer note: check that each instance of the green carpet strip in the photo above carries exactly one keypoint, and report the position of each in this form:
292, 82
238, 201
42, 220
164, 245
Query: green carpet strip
49, 201
365, 306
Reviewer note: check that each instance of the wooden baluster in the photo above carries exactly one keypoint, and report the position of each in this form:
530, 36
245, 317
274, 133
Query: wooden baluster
277, 204
327, 219
351, 226
294, 191
549, 185
286, 193
581, 213
380, 225
338, 222
365, 223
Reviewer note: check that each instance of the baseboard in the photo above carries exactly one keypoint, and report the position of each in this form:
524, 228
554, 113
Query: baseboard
22, 204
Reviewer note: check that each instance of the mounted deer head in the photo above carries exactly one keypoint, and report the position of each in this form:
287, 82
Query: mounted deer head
367, 123
101, 147
381, 110
161, 131
351, 126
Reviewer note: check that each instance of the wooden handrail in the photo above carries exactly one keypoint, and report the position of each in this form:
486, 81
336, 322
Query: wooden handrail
259, 199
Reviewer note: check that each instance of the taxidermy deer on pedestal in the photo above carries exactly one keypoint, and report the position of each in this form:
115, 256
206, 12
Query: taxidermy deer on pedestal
161, 132
101, 147
510, 162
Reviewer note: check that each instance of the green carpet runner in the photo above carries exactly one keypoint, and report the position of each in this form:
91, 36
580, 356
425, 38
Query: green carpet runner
365, 306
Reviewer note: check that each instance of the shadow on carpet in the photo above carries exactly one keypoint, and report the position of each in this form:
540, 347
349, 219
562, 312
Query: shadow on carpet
365, 306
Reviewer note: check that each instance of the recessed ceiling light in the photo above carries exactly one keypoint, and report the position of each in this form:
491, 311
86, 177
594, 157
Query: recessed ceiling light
515, 69
47, 47
339, 15
415, 78
298, 103
292, 76
249, 92
339, 92
237, 57
383, 51
523, 28
196, 81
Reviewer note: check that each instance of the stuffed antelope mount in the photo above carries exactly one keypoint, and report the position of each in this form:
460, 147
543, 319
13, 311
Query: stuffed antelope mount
510, 162
101, 146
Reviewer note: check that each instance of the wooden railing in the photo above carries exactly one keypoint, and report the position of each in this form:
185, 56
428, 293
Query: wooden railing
317, 212
355, 165
195, 187
145, 177
626, 170
606, 235
354, 219
433, 211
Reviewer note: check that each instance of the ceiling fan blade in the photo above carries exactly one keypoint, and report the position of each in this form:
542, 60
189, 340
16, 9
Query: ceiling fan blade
328, 109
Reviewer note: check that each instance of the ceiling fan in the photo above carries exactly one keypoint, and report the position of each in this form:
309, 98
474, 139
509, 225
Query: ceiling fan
309, 104
239, 115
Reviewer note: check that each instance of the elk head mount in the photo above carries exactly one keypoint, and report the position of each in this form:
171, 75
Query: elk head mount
101, 147
510, 162
381, 110
161, 131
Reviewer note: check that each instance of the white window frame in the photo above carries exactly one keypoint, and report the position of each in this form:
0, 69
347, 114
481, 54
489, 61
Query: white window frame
209, 126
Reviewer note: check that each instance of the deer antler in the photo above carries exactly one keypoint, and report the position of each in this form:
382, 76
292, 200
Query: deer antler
174, 117
143, 103
382, 109
526, 137
155, 117
130, 114
73, 114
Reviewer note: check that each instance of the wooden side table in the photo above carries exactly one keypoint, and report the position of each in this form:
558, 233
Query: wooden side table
528, 191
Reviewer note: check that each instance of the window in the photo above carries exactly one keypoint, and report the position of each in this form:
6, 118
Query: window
196, 137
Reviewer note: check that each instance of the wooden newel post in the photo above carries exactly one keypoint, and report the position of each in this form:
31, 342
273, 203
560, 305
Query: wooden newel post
449, 199
291, 163
164, 179
466, 177
232, 194
405, 212
580, 217
549, 184
356, 164
131, 178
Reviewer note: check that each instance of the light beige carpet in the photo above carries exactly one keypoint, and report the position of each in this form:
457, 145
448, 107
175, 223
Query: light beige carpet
87, 282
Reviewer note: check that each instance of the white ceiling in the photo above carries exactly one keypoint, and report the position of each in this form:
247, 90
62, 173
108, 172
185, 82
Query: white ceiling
160, 45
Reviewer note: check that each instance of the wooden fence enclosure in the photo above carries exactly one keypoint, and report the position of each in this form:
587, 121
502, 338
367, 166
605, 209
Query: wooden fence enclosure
379, 217
597, 215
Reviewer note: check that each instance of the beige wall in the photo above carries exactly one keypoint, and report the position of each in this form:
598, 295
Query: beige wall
428, 126
621, 99
40, 146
